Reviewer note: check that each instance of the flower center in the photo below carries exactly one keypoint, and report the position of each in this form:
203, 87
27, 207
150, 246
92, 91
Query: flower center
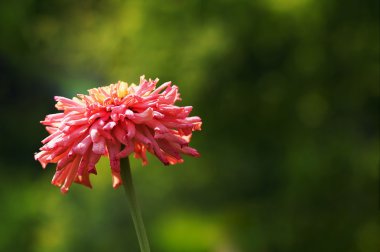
101, 94
122, 90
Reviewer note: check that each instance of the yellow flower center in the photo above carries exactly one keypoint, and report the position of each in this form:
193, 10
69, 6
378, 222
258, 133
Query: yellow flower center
101, 94
122, 89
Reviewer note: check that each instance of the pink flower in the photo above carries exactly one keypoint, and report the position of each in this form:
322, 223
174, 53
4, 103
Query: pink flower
115, 121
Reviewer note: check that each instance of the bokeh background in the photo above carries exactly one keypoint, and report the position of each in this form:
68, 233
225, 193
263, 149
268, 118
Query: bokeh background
289, 95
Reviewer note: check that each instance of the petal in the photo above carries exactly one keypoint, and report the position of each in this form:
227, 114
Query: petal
100, 146
113, 150
171, 138
73, 168
162, 87
142, 117
157, 151
109, 125
120, 134
131, 129
92, 161
157, 126
82, 147
140, 152
64, 161
129, 147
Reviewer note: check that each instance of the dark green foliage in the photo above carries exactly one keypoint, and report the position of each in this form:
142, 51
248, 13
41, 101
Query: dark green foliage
289, 95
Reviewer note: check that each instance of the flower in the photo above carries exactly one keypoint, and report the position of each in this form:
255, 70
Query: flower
115, 121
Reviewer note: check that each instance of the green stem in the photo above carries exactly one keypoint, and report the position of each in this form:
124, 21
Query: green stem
126, 175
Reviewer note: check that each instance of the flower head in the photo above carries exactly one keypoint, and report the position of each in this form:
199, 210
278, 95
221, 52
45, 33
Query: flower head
116, 121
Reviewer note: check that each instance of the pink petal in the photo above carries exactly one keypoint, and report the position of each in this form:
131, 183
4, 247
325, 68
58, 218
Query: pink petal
100, 146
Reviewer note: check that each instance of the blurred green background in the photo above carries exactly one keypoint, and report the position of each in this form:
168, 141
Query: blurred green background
289, 95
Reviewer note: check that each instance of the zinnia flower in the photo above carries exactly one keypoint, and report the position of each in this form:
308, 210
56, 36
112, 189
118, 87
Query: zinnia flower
115, 121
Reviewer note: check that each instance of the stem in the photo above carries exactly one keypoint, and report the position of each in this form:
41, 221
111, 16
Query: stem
126, 175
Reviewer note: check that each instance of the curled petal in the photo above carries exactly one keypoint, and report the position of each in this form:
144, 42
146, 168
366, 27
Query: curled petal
162, 87
143, 138
190, 151
140, 152
71, 175
56, 134
131, 129
157, 126
100, 146
109, 125
120, 134
82, 147
129, 147
157, 151
140, 118
172, 138
93, 159
113, 150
